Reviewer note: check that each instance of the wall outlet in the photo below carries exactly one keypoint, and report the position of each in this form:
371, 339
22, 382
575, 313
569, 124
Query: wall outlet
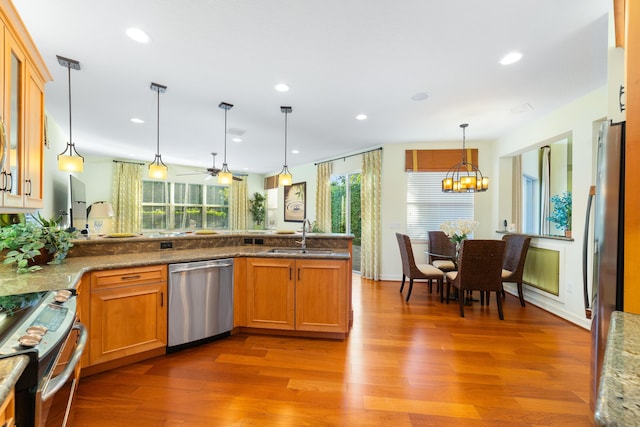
166, 245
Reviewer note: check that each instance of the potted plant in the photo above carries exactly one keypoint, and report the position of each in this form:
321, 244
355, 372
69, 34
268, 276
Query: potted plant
561, 215
257, 208
28, 244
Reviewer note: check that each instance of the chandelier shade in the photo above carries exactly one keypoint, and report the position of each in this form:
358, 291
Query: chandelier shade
70, 160
285, 177
157, 168
225, 176
464, 177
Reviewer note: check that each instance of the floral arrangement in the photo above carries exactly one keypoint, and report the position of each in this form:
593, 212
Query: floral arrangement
561, 214
459, 229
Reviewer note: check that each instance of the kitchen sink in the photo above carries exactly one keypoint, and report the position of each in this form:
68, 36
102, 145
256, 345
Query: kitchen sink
296, 251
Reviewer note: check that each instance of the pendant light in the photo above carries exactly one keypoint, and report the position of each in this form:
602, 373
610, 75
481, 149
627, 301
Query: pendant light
225, 176
73, 161
285, 177
464, 177
157, 168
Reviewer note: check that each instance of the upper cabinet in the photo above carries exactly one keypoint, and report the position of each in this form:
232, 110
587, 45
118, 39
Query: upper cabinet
23, 74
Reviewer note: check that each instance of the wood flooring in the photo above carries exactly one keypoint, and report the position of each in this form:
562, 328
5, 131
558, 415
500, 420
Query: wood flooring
403, 364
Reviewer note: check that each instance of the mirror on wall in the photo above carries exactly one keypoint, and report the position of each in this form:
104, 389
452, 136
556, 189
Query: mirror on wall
541, 175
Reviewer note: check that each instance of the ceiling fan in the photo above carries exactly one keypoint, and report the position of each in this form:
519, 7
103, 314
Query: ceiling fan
212, 171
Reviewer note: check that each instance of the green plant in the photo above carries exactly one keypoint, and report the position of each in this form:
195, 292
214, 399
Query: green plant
561, 214
257, 207
24, 241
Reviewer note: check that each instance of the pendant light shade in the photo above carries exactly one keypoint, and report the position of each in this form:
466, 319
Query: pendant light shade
464, 177
285, 177
225, 176
157, 168
69, 160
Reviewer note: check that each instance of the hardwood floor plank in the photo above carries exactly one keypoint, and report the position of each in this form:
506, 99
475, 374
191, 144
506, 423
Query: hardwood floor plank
403, 365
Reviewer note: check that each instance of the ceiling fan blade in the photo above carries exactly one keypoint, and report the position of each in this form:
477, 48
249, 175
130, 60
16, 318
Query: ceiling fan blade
194, 173
237, 178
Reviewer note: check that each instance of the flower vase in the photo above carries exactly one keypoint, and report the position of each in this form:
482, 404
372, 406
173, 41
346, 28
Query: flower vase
458, 247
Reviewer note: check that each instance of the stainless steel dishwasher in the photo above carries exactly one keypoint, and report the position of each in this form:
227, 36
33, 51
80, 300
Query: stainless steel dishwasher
200, 302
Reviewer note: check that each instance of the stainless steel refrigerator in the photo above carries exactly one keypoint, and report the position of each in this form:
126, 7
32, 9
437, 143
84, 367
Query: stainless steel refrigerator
607, 200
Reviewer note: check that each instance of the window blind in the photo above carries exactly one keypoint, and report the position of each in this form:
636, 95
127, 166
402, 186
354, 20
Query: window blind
428, 206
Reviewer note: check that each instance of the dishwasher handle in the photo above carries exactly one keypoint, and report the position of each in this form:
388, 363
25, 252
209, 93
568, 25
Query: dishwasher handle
217, 264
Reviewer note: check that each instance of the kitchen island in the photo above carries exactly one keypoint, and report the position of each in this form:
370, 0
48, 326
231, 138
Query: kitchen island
120, 279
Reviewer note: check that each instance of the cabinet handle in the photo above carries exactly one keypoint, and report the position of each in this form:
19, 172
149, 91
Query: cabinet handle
9, 188
4, 180
298, 273
161, 299
28, 181
132, 277
290, 273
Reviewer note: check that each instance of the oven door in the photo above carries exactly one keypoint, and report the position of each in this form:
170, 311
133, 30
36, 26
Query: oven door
57, 389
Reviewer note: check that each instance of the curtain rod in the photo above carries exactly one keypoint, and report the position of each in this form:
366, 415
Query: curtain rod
131, 163
349, 155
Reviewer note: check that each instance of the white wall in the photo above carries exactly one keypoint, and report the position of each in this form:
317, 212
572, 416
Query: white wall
576, 118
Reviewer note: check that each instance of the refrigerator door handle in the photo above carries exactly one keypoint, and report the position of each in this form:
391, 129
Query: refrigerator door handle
585, 254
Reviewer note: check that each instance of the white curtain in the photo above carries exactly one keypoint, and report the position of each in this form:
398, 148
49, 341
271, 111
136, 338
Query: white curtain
238, 205
127, 197
370, 206
323, 197
545, 183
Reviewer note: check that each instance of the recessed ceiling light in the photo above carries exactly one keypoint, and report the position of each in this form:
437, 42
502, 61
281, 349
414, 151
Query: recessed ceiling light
281, 87
136, 120
295, 151
138, 35
361, 117
236, 139
510, 58
420, 96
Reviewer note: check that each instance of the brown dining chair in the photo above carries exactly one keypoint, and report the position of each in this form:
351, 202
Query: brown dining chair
479, 269
439, 243
517, 246
416, 271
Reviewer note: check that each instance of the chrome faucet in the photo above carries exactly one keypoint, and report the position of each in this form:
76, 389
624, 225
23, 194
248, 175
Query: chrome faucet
305, 224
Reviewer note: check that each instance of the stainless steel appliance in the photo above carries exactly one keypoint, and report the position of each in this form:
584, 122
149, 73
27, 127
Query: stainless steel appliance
200, 302
42, 325
608, 243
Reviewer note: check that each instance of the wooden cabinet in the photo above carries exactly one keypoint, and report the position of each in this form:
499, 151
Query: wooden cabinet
297, 294
128, 312
22, 113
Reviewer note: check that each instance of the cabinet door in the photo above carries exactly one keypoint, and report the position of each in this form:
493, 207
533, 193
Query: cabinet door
270, 293
321, 295
34, 140
14, 63
127, 320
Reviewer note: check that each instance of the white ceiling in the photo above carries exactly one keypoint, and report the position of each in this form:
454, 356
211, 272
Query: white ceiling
339, 57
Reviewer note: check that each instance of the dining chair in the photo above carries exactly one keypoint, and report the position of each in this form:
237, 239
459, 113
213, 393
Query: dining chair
416, 271
517, 246
439, 243
479, 269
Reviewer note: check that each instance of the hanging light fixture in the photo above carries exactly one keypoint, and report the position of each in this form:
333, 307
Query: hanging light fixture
225, 176
464, 177
157, 168
73, 161
285, 177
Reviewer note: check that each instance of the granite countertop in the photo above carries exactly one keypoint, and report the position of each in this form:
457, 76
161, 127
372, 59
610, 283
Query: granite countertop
68, 274
10, 370
618, 402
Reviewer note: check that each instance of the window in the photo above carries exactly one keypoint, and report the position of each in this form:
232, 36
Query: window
169, 206
428, 206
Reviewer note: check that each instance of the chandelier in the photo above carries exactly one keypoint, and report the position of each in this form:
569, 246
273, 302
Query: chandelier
464, 177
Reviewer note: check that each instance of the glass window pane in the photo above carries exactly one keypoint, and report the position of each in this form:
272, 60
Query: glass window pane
154, 192
217, 195
188, 217
154, 217
217, 217
194, 194
179, 193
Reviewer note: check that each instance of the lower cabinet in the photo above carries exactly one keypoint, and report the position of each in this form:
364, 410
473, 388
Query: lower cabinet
128, 312
8, 411
297, 294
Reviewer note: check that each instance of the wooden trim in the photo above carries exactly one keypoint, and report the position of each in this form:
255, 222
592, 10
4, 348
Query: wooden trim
619, 21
